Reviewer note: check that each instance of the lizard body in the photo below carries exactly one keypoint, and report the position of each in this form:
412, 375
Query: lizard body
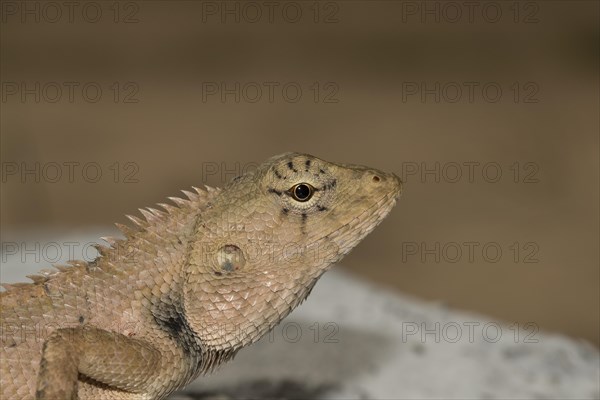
189, 286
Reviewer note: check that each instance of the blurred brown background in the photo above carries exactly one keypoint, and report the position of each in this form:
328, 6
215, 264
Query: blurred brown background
145, 93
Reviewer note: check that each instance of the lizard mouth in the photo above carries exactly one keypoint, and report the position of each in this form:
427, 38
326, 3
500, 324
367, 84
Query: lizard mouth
344, 237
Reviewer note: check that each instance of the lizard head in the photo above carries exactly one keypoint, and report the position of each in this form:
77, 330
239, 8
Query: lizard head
271, 233
321, 203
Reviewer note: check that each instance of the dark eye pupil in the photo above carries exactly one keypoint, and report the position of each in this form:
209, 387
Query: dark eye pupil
302, 192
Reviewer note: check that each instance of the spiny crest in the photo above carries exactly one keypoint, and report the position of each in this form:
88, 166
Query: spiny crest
14, 286
144, 229
156, 219
45, 275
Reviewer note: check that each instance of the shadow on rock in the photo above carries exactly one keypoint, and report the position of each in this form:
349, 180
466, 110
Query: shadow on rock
263, 389
299, 359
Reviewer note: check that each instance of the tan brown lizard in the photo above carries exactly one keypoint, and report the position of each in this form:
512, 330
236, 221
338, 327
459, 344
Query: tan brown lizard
188, 287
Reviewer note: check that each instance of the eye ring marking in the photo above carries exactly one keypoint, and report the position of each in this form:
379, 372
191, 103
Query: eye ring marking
302, 192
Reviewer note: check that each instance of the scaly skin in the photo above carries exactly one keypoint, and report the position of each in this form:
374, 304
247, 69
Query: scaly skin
189, 287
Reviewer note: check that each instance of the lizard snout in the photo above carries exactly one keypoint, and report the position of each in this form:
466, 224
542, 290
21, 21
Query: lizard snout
388, 182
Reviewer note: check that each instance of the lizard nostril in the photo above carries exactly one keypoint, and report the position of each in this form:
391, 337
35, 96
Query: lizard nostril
376, 178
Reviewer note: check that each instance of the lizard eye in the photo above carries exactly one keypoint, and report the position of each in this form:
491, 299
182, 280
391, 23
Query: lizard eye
302, 192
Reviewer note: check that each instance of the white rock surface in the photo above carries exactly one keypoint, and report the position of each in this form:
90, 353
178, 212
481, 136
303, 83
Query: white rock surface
354, 340
379, 350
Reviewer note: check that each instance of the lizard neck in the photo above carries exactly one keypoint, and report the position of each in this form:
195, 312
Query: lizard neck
226, 318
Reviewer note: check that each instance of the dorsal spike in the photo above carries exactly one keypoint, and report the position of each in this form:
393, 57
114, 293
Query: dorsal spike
179, 201
147, 215
157, 213
168, 207
190, 195
16, 285
37, 278
102, 250
126, 230
198, 190
112, 241
77, 263
137, 221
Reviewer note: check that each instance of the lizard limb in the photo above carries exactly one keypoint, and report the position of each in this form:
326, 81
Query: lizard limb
96, 354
